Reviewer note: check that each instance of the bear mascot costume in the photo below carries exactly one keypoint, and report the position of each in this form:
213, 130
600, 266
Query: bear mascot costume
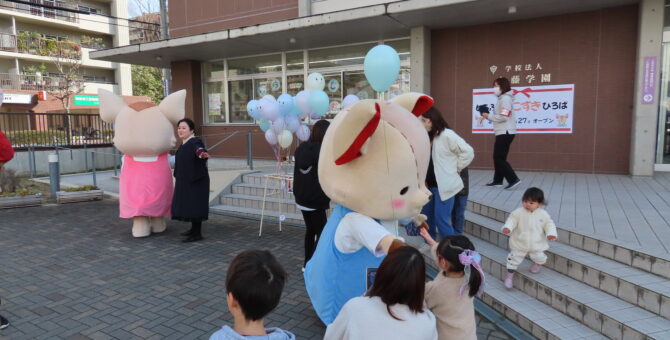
144, 132
373, 164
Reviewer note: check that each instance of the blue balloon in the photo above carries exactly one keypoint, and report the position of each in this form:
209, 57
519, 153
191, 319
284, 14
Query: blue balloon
264, 125
319, 103
252, 109
381, 67
285, 102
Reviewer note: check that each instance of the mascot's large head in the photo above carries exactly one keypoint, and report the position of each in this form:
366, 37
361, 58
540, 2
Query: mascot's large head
143, 129
375, 155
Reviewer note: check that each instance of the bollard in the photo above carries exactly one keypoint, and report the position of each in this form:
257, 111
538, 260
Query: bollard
250, 154
95, 181
31, 161
116, 159
85, 158
54, 174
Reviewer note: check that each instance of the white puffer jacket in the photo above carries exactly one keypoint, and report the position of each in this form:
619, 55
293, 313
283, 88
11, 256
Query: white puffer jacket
530, 229
451, 154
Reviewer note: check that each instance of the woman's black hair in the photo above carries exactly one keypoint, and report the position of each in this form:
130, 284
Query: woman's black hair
188, 121
401, 278
437, 121
504, 84
534, 194
319, 130
449, 249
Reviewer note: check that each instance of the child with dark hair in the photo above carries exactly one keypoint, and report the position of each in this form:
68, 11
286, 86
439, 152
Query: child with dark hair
254, 283
450, 295
529, 228
393, 308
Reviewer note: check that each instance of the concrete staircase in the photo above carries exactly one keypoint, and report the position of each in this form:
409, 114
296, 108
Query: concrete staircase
589, 288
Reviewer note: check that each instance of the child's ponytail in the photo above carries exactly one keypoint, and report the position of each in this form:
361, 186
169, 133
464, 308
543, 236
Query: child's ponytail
462, 257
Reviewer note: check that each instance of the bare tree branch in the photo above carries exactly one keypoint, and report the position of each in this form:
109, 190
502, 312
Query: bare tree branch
67, 60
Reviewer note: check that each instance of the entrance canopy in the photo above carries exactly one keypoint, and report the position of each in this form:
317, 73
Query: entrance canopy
379, 22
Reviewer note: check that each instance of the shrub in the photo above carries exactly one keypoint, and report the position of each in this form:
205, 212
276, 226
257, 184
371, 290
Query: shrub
20, 138
86, 187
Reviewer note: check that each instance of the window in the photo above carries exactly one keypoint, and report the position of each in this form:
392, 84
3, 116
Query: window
95, 79
87, 9
215, 102
256, 76
254, 65
241, 92
213, 70
339, 56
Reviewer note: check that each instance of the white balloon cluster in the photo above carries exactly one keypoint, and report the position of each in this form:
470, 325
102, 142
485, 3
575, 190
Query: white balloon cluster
281, 117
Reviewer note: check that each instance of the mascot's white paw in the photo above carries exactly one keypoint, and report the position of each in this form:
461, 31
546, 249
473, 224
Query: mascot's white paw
158, 224
141, 226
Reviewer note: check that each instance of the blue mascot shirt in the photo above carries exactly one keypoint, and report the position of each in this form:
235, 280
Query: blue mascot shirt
331, 277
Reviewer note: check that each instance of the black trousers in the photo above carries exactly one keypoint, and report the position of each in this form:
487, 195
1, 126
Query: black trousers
502, 168
315, 221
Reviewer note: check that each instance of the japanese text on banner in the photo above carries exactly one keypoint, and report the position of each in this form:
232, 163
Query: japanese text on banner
537, 109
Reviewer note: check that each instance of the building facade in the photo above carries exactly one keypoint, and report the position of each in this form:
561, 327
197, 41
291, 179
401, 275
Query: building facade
31, 33
608, 53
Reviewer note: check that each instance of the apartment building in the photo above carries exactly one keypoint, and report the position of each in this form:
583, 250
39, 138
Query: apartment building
30, 32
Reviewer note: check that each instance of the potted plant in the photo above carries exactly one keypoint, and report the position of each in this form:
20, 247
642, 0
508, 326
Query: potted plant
83, 193
11, 196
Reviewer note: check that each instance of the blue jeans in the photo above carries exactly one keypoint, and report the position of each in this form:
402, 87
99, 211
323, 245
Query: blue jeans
439, 214
458, 215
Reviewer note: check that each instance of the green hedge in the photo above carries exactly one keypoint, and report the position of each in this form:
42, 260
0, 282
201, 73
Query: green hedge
34, 137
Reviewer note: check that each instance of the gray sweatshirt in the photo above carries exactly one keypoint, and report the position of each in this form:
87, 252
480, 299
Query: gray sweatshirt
501, 123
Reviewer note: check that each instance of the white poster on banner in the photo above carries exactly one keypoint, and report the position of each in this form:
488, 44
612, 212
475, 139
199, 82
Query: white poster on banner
538, 109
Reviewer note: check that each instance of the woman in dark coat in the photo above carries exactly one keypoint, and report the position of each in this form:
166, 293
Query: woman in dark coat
309, 197
191, 193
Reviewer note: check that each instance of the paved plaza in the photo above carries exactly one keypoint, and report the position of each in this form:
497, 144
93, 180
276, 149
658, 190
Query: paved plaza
75, 272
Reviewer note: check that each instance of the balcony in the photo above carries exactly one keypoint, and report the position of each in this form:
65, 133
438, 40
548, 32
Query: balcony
45, 12
28, 82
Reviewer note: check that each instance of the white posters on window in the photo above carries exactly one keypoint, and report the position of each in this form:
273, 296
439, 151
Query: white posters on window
214, 103
538, 109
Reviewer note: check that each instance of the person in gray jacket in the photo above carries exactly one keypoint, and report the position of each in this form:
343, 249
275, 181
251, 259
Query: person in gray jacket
504, 127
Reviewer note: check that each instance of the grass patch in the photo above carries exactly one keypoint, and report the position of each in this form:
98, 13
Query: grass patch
86, 187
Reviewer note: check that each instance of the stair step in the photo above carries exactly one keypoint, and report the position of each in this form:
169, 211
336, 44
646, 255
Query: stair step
658, 264
271, 216
256, 202
258, 178
531, 315
633, 285
259, 189
611, 316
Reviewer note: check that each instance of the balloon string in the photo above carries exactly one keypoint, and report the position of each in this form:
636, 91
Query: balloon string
388, 166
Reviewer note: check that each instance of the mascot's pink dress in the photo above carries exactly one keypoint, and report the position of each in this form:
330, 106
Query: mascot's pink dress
144, 195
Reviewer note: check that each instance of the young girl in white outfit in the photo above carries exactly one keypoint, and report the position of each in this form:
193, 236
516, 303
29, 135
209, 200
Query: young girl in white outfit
529, 228
450, 295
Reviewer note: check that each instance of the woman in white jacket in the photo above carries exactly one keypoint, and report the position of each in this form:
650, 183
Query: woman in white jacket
449, 155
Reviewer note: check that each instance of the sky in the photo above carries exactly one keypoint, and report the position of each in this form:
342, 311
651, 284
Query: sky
135, 6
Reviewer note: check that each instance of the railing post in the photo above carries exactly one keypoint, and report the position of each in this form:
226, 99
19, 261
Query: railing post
31, 161
54, 174
250, 154
95, 181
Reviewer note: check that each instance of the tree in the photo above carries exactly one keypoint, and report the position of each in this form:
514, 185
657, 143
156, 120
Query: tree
66, 56
147, 81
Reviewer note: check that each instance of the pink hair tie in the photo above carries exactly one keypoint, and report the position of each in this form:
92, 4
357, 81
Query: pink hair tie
470, 258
